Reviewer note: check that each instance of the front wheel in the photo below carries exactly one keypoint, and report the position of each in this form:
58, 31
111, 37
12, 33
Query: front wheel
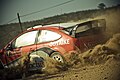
57, 56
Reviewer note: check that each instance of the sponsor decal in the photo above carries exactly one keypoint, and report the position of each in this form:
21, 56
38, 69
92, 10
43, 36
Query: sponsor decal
60, 42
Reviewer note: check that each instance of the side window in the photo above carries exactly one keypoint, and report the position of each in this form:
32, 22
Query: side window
46, 36
26, 39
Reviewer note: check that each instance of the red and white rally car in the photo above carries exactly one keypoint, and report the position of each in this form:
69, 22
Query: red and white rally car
53, 41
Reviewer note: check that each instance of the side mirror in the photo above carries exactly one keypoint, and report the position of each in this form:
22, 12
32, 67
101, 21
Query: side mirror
1, 51
9, 47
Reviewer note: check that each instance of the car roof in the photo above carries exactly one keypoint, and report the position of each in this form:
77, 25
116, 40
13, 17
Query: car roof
45, 28
64, 25
59, 25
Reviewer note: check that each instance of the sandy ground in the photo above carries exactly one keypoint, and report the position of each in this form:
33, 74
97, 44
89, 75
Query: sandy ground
107, 71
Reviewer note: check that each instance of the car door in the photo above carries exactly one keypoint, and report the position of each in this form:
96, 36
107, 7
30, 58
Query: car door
20, 46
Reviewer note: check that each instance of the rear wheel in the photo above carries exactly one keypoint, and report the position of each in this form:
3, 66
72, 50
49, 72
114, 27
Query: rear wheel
57, 56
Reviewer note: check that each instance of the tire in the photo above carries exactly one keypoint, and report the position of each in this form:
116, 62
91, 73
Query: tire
37, 60
58, 57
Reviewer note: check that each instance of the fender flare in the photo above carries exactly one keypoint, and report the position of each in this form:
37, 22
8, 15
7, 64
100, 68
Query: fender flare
47, 50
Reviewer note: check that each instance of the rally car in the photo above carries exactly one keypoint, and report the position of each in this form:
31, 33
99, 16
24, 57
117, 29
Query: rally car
53, 41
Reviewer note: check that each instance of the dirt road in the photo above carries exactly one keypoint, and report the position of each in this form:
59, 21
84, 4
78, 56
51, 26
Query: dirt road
108, 71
